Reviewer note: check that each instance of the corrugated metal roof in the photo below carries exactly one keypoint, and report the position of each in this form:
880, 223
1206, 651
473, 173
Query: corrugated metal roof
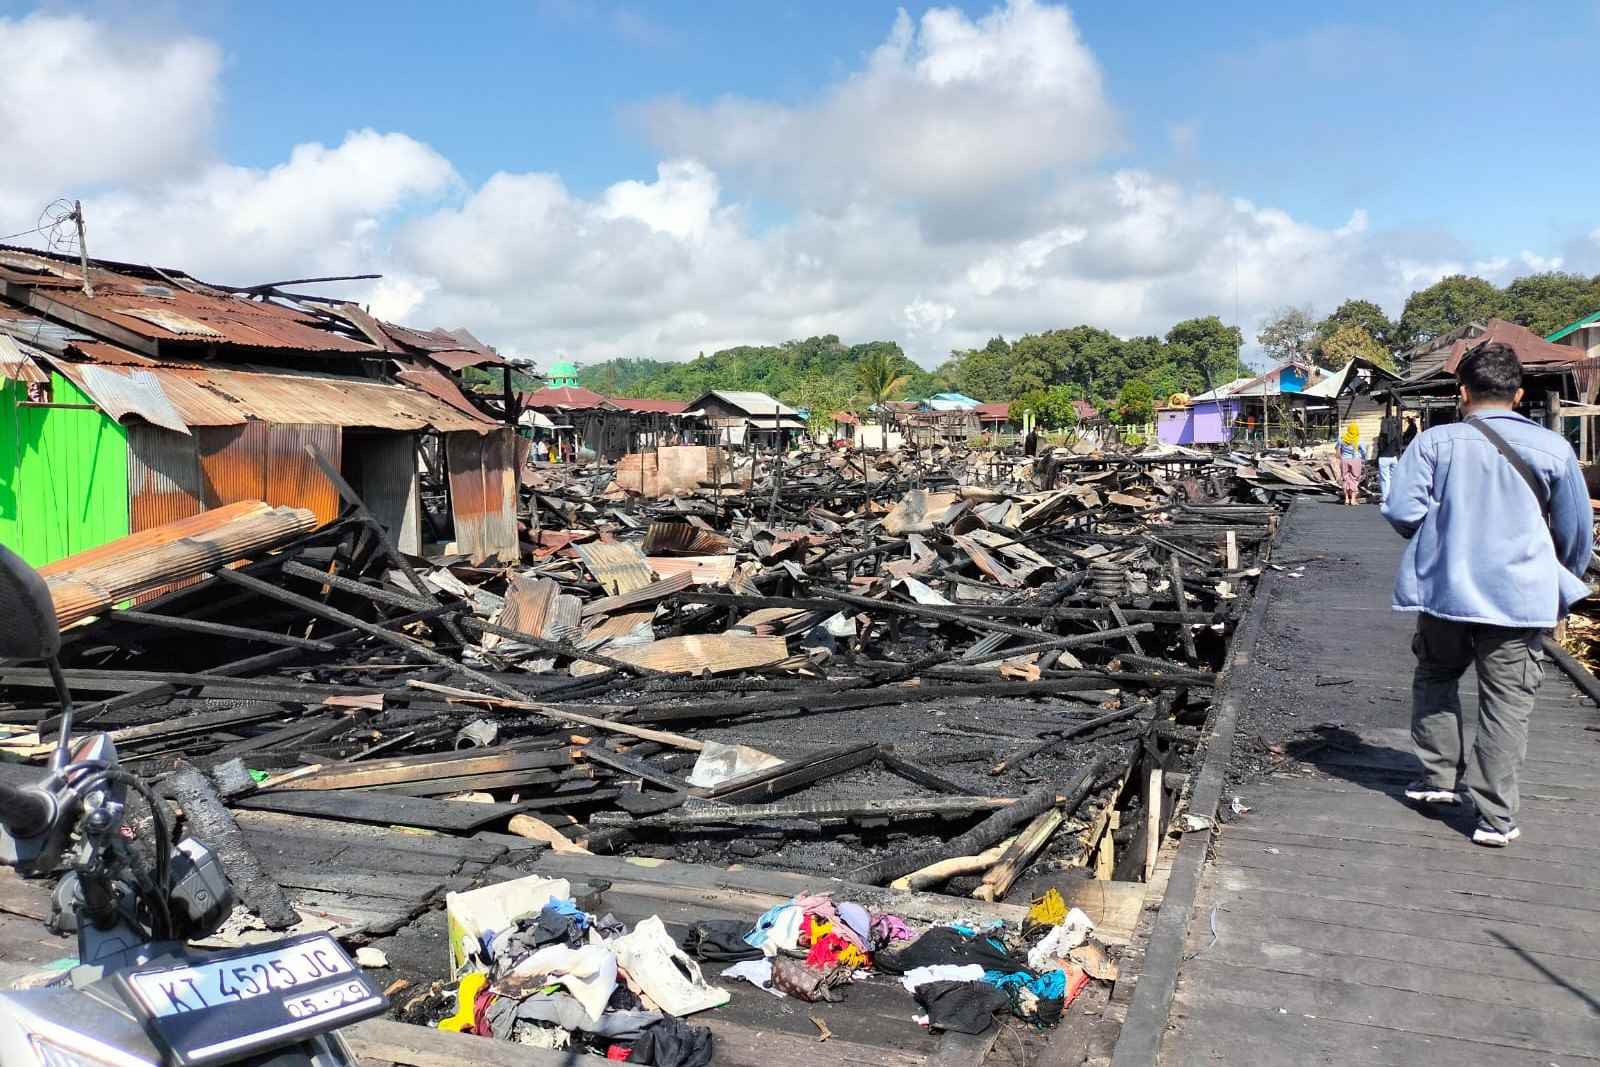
574, 397
460, 360
752, 402
618, 568
17, 362
651, 407
214, 396
1572, 327
123, 391
232, 320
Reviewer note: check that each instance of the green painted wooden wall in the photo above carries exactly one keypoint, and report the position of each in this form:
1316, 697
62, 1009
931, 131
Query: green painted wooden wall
63, 474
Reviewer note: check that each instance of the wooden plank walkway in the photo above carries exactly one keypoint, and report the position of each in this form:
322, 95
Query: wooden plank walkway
1337, 924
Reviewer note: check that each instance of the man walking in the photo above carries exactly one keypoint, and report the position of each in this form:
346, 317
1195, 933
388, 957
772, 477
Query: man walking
1500, 530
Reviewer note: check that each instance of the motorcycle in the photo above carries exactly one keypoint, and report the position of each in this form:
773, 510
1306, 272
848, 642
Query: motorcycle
140, 996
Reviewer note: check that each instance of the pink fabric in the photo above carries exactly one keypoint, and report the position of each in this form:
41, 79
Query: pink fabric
1350, 471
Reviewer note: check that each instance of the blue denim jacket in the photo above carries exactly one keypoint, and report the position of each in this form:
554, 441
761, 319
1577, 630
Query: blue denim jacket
1479, 550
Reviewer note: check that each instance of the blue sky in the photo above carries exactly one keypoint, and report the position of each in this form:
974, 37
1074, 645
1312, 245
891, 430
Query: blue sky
1320, 151
1460, 116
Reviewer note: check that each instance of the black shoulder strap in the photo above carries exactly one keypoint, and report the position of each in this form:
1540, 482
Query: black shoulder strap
1518, 464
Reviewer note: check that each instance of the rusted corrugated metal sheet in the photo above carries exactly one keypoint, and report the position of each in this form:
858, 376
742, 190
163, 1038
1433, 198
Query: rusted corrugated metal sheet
233, 463
189, 396
697, 654
483, 494
702, 570
618, 568
17, 362
439, 387
92, 581
456, 361
142, 308
294, 478
682, 539
650, 594
163, 477
262, 461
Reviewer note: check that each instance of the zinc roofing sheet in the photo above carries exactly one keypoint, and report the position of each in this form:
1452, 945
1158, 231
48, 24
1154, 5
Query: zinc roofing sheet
143, 309
213, 396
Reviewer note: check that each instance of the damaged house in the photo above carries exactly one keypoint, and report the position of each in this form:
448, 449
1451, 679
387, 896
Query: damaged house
131, 397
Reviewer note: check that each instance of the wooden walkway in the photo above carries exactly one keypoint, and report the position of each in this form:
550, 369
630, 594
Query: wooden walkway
1336, 924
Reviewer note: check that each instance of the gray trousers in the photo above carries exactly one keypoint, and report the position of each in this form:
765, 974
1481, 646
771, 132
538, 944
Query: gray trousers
1510, 667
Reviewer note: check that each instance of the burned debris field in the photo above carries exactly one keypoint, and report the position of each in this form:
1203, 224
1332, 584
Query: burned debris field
903, 679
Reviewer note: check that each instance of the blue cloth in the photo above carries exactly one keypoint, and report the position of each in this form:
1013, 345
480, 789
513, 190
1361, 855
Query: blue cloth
758, 937
1350, 451
1479, 550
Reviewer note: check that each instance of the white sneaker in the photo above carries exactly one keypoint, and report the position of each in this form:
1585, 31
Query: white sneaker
1490, 837
1423, 793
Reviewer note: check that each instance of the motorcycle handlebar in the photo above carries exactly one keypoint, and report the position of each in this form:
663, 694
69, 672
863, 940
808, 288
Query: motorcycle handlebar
25, 812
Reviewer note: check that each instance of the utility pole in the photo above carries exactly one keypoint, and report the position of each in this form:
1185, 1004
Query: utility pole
83, 248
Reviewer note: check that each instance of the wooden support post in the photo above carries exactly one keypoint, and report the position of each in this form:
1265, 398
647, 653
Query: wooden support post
1184, 628
1153, 803
1003, 875
1230, 550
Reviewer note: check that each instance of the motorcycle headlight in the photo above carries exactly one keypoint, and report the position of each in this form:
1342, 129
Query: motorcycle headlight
49, 1054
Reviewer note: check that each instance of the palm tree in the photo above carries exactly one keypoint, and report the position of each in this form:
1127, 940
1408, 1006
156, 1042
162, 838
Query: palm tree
880, 377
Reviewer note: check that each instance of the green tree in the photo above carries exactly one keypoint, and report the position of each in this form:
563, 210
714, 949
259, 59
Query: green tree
1206, 343
1053, 407
1361, 313
1447, 304
1349, 342
1289, 334
881, 377
1136, 403
1546, 302
821, 396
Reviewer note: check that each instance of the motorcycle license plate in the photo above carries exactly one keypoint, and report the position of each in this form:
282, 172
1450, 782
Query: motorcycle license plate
236, 1003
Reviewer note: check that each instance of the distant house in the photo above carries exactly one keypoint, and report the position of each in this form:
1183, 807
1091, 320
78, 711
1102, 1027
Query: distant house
949, 402
746, 417
577, 420
132, 397
1244, 409
995, 417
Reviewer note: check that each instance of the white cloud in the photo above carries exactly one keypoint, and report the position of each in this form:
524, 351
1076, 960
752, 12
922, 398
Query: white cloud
946, 108
83, 106
322, 211
1539, 264
943, 193
926, 316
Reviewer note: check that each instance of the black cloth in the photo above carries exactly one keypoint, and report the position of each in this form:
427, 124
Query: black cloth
670, 1043
720, 941
945, 944
1030, 444
965, 1007
1406, 438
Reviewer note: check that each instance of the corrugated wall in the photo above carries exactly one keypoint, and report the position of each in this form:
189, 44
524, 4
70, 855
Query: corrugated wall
63, 474
265, 461
483, 494
382, 468
163, 477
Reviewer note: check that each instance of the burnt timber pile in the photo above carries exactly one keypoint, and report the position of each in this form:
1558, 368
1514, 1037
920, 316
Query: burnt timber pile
915, 672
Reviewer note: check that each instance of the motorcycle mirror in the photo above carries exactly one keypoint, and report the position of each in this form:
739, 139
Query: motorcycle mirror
28, 628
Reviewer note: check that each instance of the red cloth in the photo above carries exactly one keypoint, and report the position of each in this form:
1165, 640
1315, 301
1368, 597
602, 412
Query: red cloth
618, 1052
825, 953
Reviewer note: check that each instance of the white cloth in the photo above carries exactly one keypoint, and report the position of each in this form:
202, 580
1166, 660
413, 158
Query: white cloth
758, 973
784, 934
943, 972
1059, 941
589, 973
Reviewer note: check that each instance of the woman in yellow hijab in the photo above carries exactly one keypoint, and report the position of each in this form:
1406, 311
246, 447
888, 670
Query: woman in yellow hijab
1350, 457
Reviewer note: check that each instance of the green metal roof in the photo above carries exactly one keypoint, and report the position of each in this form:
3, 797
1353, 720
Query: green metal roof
1587, 320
